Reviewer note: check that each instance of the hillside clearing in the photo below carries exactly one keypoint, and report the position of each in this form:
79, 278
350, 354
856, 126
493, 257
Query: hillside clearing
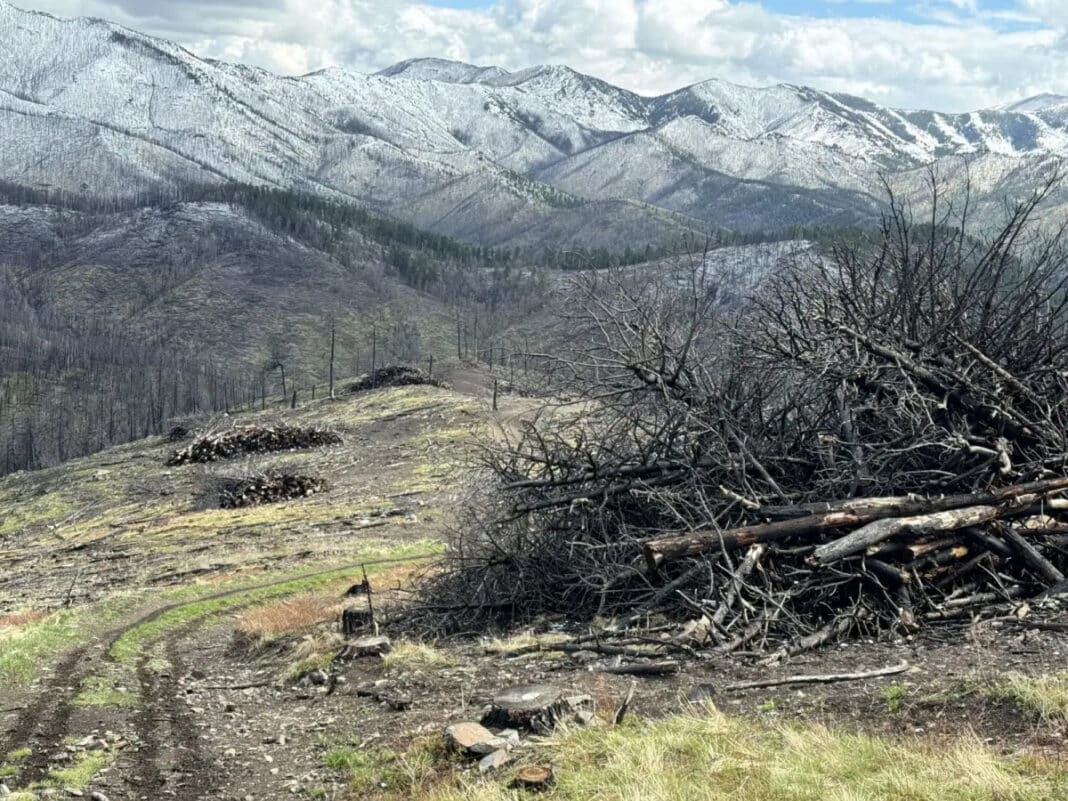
198, 637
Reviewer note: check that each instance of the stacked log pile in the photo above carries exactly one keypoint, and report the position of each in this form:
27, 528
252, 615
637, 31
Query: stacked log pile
271, 487
252, 439
874, 442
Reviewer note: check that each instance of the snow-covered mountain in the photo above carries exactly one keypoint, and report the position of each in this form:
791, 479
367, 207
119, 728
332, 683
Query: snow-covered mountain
543, 154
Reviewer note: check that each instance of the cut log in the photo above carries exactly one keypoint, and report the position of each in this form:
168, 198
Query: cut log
826, 678
843, 515
874, 533
1029, 553
667, 668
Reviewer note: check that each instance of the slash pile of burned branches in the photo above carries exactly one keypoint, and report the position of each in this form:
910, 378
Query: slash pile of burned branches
271, 487
871, 441
252, 439
392, 376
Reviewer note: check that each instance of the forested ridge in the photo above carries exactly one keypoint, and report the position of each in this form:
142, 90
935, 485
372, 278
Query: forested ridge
118, 314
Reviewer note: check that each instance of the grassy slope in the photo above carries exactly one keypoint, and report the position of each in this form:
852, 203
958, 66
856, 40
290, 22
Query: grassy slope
119, 526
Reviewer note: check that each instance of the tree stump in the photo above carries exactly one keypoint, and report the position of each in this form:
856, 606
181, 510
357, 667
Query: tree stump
537, 707
533, 777
355, 620
365, 647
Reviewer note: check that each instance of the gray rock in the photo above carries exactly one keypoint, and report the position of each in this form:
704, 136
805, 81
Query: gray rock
488, 747
318, 677
510, 736
472, 739
4, 790
98, 796
497, 759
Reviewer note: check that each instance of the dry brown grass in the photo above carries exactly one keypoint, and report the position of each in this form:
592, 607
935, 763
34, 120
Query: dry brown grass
299, 613
22, 617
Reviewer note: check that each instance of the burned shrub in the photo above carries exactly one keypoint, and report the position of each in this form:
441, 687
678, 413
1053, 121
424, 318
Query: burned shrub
178, 432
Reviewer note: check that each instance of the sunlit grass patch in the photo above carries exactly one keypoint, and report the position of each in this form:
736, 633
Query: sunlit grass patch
407, 655
706, 756
21, 618
1044, 696
289, 615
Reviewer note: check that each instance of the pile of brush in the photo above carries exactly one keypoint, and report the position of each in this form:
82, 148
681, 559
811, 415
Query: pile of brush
392, 376
252, 439
271, 487
866, 442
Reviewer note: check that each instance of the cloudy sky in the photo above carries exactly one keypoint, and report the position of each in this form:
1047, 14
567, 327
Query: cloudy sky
949, 55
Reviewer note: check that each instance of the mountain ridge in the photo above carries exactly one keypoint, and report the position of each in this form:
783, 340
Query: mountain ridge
482, 153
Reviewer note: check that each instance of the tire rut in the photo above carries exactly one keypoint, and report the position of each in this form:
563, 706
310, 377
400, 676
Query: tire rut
169, 739
45, 720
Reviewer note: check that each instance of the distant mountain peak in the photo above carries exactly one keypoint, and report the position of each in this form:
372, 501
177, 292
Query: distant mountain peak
1036, 103
441, 69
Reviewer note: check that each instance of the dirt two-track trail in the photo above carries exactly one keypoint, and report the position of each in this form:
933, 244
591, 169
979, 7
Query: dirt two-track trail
165, 735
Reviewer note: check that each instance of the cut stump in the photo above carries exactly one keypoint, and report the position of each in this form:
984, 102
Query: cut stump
537, 707
365, 647
534, 777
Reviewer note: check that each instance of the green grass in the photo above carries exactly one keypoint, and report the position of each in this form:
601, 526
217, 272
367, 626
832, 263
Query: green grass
127, 647
307, 664
382, 773
705, 755
81, 771
893, 696
1045, 696
24, 649
9, 766
107, 690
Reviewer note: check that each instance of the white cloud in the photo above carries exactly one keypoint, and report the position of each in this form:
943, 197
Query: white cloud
973, 59
1053, 12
